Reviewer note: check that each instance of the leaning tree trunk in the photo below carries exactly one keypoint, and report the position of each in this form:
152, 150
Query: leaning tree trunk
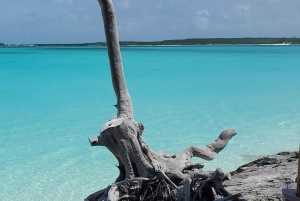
144, 173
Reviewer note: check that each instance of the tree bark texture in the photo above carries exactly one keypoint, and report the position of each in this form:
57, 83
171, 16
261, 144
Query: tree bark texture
144, 173
124, 104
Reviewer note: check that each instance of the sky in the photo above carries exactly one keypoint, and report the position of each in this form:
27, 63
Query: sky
80, 21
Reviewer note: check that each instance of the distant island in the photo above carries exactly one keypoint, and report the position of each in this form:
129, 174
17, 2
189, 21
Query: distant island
190, 41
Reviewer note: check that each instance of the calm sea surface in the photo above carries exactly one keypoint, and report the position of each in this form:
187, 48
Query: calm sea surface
53, 98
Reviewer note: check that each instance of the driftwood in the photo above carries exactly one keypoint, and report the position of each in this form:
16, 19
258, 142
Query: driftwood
144, 173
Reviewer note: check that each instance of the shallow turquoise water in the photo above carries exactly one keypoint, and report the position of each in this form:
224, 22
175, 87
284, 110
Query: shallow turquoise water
53, 98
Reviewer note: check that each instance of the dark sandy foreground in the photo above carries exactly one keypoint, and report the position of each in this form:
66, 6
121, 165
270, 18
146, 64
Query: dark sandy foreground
263, 179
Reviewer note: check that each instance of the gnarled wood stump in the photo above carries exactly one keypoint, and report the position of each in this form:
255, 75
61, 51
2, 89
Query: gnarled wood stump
144, 173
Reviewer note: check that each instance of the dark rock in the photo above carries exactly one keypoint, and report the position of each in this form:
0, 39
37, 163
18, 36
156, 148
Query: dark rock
272, 160
263, 179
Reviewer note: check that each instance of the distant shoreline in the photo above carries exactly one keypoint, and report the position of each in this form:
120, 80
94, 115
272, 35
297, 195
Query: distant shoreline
181, 42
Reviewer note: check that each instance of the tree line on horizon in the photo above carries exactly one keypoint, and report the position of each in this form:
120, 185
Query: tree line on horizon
190, 41
202, 41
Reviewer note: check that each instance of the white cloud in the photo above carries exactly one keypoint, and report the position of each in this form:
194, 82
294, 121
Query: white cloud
62, 1
203, 12
223, 15
242, 10
202, 21
124, 4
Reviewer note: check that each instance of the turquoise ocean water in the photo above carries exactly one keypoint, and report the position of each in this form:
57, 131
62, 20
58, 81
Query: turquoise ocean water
53, 98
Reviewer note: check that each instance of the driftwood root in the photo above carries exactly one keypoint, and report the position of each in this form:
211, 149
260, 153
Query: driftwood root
160, 187
146, 174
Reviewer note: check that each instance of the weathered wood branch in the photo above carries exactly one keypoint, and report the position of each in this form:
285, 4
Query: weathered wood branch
208, 152
124, 104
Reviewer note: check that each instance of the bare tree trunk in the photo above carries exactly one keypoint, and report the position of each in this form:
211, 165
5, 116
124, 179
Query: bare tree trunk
140, 167
124, 104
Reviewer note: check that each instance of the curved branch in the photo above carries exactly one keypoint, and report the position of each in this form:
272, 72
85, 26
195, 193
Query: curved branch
124, 104
208, 152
